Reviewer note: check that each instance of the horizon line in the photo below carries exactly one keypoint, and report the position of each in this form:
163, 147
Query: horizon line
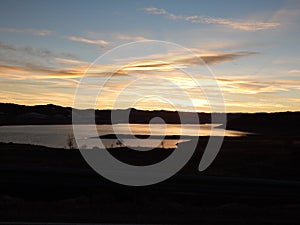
148, 110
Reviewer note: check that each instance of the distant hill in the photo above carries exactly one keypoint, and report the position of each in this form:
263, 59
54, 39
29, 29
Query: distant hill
281, 123
13, 114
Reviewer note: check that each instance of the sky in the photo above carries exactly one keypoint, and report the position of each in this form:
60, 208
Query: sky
152, 55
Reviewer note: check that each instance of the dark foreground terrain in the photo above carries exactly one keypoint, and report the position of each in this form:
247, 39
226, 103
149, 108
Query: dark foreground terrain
254, 180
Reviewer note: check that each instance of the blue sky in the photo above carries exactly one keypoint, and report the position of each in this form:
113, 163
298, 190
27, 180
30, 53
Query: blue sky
46, 46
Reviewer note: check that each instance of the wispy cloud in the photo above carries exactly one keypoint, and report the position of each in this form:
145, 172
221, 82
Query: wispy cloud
73, 62
43, 63
116, 38
294, 72
153, 10
88, 41
30, 57
131, 38
35, 72
26, 31
246, 25
170, 62
40, 52
252, 87
20, 81
212, 58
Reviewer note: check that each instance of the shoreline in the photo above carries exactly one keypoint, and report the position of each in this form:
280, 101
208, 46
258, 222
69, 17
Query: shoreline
248, 156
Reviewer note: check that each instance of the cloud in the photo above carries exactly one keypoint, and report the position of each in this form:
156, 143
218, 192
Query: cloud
88, 41
31, 58
253, 87
72, 62
27, 31
28, 50
20, 81
249, 25
131, 38
42, 63
172, 62
31, 51
35, 72
116, 37
72, 69
213, 58
294, 72
240, 25
153, 10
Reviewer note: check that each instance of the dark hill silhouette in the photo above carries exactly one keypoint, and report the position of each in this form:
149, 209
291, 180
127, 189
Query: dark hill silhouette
13, 114
279, 123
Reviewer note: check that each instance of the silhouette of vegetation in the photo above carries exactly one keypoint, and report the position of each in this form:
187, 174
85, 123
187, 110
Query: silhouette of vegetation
70, 142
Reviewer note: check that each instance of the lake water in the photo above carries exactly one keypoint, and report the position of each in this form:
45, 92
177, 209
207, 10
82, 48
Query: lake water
57, 135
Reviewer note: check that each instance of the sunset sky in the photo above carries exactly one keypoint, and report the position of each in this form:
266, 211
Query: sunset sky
251, 47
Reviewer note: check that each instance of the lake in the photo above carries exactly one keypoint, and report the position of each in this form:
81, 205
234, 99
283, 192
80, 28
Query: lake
57, 135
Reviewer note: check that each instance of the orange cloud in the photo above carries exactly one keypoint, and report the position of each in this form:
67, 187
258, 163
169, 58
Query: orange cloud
36, 84
88, 41
131, 38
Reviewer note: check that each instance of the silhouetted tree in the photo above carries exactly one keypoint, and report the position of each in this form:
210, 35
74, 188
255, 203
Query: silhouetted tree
119, 143
70, 141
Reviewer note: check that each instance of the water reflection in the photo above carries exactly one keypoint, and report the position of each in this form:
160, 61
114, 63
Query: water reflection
56, 135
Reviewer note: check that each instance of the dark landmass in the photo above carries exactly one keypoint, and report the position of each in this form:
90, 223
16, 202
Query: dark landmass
249, 156
281, 123
128, 136
268, 124
253, 180
13, 114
